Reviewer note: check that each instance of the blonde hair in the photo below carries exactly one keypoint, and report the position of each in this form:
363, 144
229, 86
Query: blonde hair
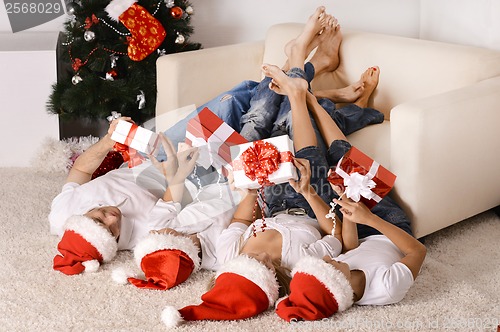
283, 276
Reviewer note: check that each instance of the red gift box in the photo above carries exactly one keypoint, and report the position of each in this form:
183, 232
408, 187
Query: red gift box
214, 137
362, 178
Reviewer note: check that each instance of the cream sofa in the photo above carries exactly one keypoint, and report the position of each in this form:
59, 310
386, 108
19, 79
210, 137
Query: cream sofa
441, 104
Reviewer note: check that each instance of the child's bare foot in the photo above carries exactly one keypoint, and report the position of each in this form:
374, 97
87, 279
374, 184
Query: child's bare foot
370, 80
326, 58
281, 83
349, 94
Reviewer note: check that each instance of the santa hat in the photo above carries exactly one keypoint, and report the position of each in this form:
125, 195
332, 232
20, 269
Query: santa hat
243, 288
84, 246
166, 260
317, 291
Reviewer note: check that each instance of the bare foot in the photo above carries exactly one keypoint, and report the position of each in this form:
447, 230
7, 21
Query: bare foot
326, 58
305, 42
349, 94
370, 80
281, 83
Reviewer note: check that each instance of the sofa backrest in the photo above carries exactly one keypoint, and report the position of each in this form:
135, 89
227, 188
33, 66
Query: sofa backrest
410, 68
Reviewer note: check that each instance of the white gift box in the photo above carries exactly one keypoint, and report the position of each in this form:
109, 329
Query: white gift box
286, 169
136, 137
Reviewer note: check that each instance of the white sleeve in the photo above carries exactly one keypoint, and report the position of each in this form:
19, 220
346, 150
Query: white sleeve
163, 215
329, 245
61, 208
228, 245
198, 216
397, 281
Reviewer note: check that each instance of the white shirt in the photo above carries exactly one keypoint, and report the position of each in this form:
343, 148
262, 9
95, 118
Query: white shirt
300, 237
138, 192
387, 279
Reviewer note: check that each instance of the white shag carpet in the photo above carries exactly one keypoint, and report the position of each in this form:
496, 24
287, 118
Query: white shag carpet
458, 289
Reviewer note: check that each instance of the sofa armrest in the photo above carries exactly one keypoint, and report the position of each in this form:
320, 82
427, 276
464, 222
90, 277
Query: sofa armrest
196, 77
444, 150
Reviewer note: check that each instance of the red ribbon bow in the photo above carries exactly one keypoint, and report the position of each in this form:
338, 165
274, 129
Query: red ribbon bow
259, 161
91, 21
131, 155
77, 63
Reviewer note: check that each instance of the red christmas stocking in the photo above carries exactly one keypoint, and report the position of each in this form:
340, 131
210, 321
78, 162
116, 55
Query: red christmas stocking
147, 32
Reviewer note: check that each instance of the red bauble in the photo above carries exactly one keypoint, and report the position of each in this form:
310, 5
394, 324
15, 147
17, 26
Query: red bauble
113, 160
176, 12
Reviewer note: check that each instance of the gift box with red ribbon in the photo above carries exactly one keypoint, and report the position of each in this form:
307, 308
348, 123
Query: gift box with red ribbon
136, 137
361, 178
263, 163
213, 137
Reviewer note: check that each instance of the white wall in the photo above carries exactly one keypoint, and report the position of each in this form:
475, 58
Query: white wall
469, 22
222, 22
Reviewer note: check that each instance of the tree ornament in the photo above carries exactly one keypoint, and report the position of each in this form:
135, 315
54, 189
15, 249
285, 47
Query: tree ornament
111, 74
147, 32
169, 3
90, 21
113, 58
189, 10
180, 39
176, 12
89, 35
141, 99
72, 8
76, 79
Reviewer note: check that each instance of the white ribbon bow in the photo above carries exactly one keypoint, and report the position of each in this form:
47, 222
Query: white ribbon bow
358, 185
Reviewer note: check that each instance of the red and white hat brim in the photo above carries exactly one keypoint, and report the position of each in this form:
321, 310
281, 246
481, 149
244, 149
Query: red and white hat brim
99, 237
334, 280
155, 242
256, 272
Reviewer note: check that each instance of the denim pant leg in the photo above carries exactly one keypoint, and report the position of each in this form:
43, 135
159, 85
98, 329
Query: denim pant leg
351, 117
257, 123
282, 196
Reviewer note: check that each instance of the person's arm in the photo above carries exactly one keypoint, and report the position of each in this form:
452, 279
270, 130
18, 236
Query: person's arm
245, 212
176, 169
86, 164
349, 228
319, 207
414, 251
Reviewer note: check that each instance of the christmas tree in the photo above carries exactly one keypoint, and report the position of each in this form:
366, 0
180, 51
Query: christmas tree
110, 52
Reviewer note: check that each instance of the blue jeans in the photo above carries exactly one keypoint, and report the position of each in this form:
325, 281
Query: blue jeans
386, 209
256, 112
282, 196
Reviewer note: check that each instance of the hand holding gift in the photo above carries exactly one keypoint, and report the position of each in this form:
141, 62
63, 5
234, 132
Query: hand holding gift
131, 138
303, 185
362, 178
135, 137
